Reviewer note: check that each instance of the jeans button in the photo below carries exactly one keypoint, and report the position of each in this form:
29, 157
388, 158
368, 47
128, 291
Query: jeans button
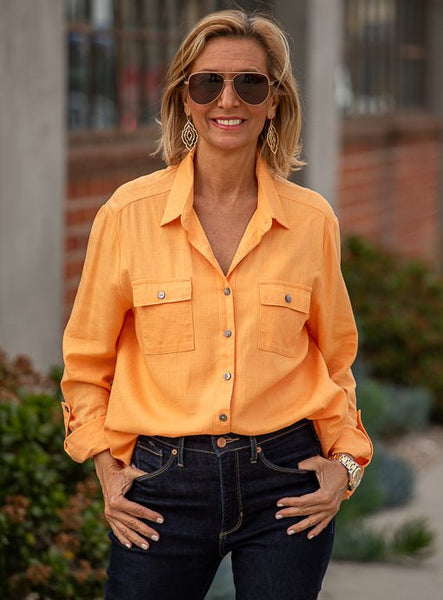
221, 442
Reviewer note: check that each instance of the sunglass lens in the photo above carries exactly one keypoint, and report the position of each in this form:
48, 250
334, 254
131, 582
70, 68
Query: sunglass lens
205, 87
252, 88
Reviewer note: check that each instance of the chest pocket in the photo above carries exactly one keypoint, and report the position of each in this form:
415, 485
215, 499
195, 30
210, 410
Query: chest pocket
284, 309
163, 314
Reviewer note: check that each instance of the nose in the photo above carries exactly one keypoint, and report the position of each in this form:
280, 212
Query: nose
228, 97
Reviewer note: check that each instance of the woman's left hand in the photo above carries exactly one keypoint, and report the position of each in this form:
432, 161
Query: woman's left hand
321, 506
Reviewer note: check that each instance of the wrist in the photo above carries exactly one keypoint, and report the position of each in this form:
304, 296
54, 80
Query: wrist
354, 471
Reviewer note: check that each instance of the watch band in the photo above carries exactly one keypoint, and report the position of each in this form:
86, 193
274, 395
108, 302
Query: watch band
355, 472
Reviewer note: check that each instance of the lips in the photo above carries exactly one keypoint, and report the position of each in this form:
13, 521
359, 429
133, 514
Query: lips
228, 122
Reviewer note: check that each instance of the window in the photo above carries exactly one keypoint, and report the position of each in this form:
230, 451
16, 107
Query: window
118, 53
385, 56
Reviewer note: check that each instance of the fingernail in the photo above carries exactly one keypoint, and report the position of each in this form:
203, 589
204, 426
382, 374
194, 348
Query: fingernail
311, 536
291, 532
144, 546
155, 538
279, 516
160, 520
128, 545
279, 504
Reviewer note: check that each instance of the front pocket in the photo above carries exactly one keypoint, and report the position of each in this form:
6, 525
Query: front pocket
163, 314
281, 468
151, 459
284, 310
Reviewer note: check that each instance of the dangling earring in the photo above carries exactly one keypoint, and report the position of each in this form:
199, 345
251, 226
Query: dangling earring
272, 138
189, 135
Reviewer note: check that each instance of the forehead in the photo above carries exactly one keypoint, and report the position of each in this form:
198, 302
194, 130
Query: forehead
228, 55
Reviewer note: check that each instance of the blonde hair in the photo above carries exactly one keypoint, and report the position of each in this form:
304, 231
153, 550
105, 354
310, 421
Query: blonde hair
241, 25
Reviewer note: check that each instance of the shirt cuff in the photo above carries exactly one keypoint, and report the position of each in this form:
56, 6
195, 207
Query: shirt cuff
87, 440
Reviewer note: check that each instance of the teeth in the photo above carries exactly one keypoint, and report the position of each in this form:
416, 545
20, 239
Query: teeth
229, 121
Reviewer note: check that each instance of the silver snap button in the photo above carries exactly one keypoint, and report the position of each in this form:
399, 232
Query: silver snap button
161, 295
227, 376
223, 417
288, 298
227, 333
226, 291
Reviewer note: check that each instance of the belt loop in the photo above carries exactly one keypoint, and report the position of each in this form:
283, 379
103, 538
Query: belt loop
253, 459
181, 443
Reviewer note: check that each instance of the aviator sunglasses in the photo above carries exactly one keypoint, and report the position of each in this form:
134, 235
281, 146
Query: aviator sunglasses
250, 87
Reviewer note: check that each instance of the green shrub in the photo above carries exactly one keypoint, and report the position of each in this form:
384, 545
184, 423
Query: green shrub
392, 410
388, 482
53, 540
399, 309
360, 542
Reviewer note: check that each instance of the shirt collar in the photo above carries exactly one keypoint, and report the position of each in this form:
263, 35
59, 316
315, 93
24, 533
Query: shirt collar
180, 197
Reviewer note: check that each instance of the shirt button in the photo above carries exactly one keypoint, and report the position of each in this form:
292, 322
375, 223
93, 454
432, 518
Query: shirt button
161, 295
227, 375
288, 298
223, 418
226, 291
221, 442
227, 333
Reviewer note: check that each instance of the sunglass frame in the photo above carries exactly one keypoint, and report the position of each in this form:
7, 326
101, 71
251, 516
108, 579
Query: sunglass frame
225, 80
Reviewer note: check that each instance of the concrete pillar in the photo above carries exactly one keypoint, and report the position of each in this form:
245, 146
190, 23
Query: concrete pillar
315, 27
32, 166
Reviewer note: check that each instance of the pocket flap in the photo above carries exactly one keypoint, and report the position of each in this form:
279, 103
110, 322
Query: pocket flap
289, 295
148, 293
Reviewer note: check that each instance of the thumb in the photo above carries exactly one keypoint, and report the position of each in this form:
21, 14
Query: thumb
134, 472
310, 464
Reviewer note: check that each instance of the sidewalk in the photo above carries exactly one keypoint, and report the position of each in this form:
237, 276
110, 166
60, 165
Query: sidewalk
424, 580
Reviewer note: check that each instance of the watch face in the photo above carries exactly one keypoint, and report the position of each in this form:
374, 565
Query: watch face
355, 479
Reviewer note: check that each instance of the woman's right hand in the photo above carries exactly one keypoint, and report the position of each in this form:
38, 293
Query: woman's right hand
123, 515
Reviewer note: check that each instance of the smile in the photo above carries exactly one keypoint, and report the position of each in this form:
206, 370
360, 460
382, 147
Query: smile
229, 122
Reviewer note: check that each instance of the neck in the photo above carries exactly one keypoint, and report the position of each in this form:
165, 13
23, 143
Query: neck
224, 179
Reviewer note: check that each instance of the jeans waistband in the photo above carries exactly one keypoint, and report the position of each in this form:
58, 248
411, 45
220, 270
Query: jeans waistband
205, 443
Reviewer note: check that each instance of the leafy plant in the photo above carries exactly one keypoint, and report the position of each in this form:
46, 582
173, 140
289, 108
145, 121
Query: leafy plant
53, 540
364, 543
391, 410
399, 308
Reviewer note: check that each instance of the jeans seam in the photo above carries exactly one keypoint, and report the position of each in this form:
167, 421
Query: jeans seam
239, 501
162, 469
294, 471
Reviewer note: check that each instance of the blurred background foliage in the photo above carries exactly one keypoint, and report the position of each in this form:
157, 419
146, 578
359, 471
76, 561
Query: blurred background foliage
53, 542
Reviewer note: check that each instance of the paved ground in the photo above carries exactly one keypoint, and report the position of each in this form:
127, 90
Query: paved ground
412, 581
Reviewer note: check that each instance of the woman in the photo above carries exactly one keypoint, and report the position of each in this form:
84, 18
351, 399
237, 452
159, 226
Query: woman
208, 354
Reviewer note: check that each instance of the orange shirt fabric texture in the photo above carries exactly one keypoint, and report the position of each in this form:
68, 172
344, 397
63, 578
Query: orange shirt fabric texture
161, 342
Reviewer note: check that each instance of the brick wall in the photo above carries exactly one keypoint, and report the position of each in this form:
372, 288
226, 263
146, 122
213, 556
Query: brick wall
390, 184
94, 173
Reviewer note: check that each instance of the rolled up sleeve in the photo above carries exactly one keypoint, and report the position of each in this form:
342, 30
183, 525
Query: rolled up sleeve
90, 341
333, 328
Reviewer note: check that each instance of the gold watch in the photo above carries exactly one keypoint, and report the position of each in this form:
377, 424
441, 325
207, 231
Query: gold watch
355, 472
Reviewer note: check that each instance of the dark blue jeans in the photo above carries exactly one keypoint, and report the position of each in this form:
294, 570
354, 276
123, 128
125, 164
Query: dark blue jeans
219, 495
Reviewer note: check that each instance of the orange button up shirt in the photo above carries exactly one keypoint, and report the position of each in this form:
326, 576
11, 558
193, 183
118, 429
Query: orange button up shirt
161, 342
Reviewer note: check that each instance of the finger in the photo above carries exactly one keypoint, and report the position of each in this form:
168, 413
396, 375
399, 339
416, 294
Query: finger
120, 504
319, 528
128, 523
306, 501
135, 472
314, 525
128, 537
310, 464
